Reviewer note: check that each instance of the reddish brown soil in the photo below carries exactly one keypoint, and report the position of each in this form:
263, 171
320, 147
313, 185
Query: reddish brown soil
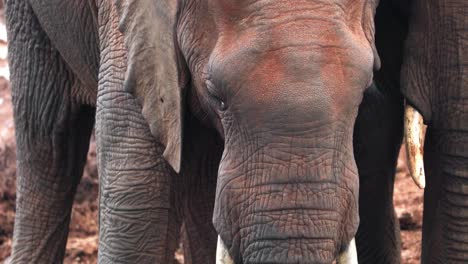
82, 243
408, 200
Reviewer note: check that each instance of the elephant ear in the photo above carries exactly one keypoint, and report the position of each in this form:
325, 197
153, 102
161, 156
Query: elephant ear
368, 26
154, 72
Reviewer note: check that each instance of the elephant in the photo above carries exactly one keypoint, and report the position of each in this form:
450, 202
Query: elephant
426, 52
286, 181
254, 131
434, 83
432, 69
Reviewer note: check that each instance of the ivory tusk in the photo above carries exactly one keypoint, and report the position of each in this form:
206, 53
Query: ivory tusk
222, 254
415, 132
349, 256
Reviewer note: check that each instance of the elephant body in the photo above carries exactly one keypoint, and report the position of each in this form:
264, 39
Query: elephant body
434, 81
243, 120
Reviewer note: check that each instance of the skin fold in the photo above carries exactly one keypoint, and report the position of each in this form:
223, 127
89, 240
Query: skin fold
260, 121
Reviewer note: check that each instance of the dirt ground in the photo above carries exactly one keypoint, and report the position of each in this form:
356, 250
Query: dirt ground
408, 200
82, 242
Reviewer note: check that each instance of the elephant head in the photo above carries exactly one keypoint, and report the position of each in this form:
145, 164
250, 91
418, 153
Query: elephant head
281, 81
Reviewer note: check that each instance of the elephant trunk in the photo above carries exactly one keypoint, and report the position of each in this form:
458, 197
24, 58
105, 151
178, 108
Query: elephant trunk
294, 235
349, 256
291, 200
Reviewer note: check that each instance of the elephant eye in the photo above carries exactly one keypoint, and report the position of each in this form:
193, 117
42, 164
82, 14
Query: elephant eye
222, 106
213, 93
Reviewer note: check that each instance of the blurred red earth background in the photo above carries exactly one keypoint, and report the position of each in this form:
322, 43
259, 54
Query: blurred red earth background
82, 242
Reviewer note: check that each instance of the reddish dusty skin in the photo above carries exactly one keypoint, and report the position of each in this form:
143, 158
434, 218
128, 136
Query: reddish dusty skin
292, 89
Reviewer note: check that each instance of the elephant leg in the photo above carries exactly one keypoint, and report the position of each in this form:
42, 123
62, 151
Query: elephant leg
377, 140
52, 135
445, 219
202, 155
138, 221
138, 218
199, 237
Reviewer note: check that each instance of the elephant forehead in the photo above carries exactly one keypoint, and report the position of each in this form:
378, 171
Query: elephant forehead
248, 13
274, 25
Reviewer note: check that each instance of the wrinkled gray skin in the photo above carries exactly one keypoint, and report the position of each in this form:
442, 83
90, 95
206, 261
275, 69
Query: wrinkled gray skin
282, 96
53, 89
245, 109
435, 82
